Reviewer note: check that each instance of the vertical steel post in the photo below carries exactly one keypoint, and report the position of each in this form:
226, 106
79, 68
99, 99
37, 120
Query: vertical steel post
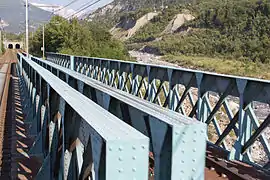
43, 41
0, 38
72, 63
21, 68
237, 148
26, 28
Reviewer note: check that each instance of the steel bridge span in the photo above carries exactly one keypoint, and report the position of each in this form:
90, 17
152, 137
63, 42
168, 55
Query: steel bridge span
92, 118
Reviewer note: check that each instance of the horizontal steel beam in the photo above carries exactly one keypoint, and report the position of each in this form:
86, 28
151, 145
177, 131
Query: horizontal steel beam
183, 137
66, 57
210, 97
81, 133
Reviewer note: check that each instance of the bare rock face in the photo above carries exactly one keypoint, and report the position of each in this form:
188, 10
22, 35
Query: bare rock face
128, 28
141, 22
177, 22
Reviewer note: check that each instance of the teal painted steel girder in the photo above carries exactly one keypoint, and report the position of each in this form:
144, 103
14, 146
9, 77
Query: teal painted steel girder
88, 135
184, 138
158, 83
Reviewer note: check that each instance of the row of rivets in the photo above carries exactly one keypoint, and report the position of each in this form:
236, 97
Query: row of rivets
121, 148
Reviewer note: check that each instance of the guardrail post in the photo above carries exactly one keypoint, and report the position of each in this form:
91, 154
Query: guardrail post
237, 148
72, 63
21, 65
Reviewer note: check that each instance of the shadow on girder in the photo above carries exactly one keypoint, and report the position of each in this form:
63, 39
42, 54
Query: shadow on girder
16, 164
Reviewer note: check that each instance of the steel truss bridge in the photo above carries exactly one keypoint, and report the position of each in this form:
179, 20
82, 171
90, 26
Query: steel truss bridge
104, 119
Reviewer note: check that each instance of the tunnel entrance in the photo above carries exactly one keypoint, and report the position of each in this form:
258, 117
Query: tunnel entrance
17, 46
10, 46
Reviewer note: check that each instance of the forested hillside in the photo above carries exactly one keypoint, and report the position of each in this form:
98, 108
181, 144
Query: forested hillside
236, 30
233, 29
120, 9
228, 28
192, 33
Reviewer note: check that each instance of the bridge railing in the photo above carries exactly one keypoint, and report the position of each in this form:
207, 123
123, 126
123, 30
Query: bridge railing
236, 109
76, 137
178, 143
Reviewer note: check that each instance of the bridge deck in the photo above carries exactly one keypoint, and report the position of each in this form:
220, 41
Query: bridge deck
18, 140
233, 169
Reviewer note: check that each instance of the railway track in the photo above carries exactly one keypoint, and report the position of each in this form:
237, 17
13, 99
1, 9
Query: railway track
218, 168
5, 69
15, 163
10, 113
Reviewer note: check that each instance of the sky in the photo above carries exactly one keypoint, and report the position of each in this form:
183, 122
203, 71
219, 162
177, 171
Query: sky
75, 6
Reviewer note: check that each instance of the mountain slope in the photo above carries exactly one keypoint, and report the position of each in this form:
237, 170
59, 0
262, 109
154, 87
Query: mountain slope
127, 6
226, 29
13, 13
211, 28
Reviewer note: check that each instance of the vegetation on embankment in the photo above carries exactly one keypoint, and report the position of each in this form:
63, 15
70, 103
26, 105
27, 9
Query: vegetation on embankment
234, 29
2, 50
78, 38
222, 65
14, 37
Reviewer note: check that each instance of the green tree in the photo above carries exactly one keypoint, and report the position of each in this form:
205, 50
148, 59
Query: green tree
77, 38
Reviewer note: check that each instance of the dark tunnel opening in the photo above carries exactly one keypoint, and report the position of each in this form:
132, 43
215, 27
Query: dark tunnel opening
18, 46
10, 46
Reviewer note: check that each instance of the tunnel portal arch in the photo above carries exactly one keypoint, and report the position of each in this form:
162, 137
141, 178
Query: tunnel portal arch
13, 44
17, 46
10, 46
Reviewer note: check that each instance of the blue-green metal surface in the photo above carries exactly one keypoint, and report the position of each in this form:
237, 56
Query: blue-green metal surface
222, 101
63, 120
175, 140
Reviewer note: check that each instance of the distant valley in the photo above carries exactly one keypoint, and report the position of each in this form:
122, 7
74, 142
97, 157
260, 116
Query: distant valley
12, 13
